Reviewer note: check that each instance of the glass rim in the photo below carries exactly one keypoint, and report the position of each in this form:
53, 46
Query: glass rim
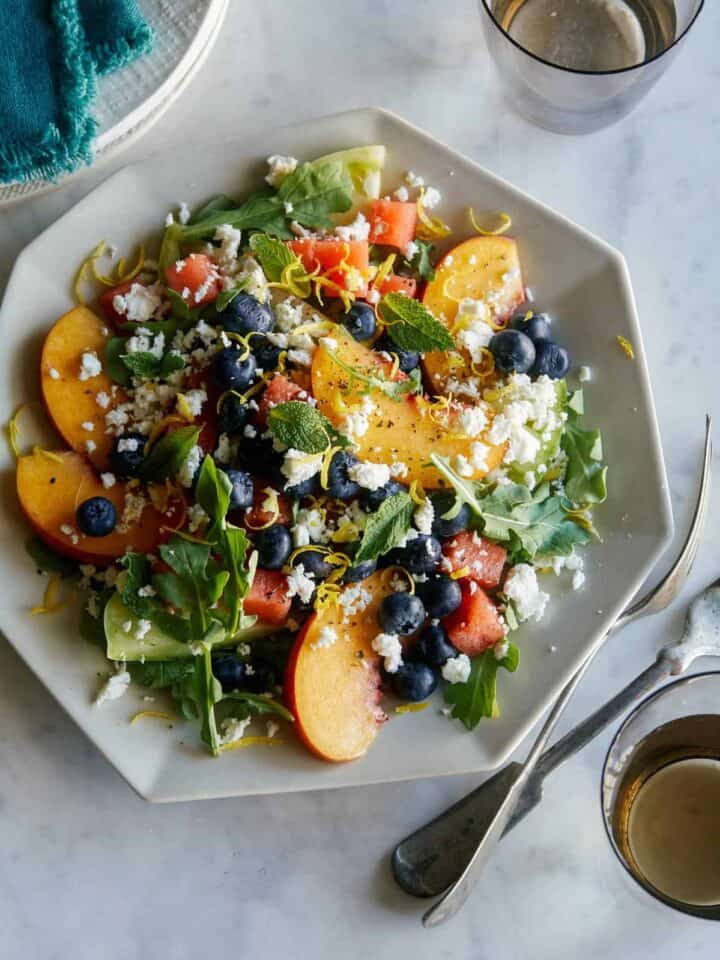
591, 73
692, 910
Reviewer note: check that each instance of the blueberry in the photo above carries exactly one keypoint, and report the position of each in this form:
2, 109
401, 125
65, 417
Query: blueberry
551, 360
244, 314
124, 461
233, 415
408, 359
229, 372
360, 571
360, 321
420, 555
266, 353
96, 517
401, 613
442, 502
514, 351
440, 594
314, 564
433, 646
339, 483
414, 681
537, 326
243, 491
258, 455
229, 670
306, 488
260, 676
371, 499
274, 546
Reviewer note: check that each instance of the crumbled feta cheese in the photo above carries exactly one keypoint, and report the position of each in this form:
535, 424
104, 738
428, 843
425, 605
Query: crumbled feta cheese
194, 400
299, 466
108, 480
88, 425
183, 213
127, 445
354, 599
196, 517
115, 686
578, 580
279, 168
413, 180
478, 455
456, 669
187, 471
303, 358
66, 529
431, 198
146, 591
127, 626
472, 421
139, 303
388, 646
373, 296
410, 250
402, 194
500, 650
102, 399
359, 229
169, 219
584, 374
272, 728
474, 338
90, 366
521, 586
328, 636
300, 584
328, 343
232, 729
371, 476
226, 450
229, 239
398, 470
249, 431
53, 374
142, 629
424, 516
90, 446
357, 422
313, 519
462, 466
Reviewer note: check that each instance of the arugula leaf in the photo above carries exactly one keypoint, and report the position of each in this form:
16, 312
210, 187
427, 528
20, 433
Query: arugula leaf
206, 692
233, 547
411, 325
212, 492
303, 427
226, 297
273, 255
475, 699
531, 523
585, 476
161, 673
214, 205
47, 560
386, 528
168, 454
195, 584
114, 364
170, 363
421, 261
137, 575
317, 191
170, 247
180, 310
260, 705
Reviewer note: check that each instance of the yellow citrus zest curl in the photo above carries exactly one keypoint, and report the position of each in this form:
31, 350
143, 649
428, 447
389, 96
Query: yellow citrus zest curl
626, 347
52, 600
431, 228
486, 368
13, 427
270, 504
390, 572
326, 595
503, 227
459, 574
417, 494
155, 714
325, 469
251, 742
107, 280
412, 707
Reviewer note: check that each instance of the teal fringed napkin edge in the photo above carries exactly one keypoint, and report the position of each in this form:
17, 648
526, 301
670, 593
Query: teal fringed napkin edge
48, 84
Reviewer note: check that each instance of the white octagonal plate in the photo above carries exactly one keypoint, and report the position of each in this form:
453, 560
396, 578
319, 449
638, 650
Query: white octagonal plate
577, 278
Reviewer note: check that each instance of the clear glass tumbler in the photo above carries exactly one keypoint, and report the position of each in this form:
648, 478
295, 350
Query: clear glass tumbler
574, 66
660, 794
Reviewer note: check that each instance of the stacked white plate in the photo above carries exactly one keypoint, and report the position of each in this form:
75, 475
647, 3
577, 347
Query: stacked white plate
131, 100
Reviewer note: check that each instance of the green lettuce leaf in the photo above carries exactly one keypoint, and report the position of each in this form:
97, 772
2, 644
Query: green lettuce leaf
475, 699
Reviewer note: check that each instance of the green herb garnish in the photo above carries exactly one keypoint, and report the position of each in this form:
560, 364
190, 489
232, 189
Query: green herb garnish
386, 528
302, 427
169, 453
475, 699
411, 325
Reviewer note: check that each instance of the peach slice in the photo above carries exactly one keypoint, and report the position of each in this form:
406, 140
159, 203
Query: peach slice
71, 402
400, 430
333, 690
482, 268
51, 485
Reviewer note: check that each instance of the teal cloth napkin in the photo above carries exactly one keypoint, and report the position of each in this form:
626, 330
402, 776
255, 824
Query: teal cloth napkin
52, 53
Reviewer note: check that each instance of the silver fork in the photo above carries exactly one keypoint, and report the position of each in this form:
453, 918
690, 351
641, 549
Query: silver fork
451, 850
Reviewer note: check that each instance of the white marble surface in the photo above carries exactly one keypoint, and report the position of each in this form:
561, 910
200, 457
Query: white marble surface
90, 871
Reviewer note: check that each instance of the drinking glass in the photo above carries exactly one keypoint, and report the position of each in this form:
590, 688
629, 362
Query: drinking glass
679, 722
574, 66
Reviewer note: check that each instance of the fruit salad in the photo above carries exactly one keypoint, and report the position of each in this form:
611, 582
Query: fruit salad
320, 458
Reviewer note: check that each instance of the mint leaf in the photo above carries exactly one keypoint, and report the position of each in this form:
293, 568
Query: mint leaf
421, 262
475, 699
273, 255
411, 325
386, 528
161, 673
303, 427
168, 454
170, 363
317, 191
585, 476
114, 365
141, 364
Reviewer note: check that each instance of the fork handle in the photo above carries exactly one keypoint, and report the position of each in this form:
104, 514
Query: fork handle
584, 732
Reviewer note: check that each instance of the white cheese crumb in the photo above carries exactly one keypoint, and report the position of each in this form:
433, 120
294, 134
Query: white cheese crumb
102, 399
299, 466
456, 669
272, 728
413, 180
472, 421
359, 229
183, 213
303, 358
53, 374
90, 446
88, 425
398, 470
388, 646
142, 629
232, 730
90, 366
371, 476
187, 471
114, 687
229, 239
585, 374
108, 480
146, 591
328, 636
431, 198
279, 168
354, 599
424, 516
300, 584
521, 586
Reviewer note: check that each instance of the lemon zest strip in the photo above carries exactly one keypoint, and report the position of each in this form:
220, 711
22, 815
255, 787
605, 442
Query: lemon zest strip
626, 347
417, 494
412, 707
156, 714
431, 228
251, 742
505, 224
52, 601
389, 572
459, 574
